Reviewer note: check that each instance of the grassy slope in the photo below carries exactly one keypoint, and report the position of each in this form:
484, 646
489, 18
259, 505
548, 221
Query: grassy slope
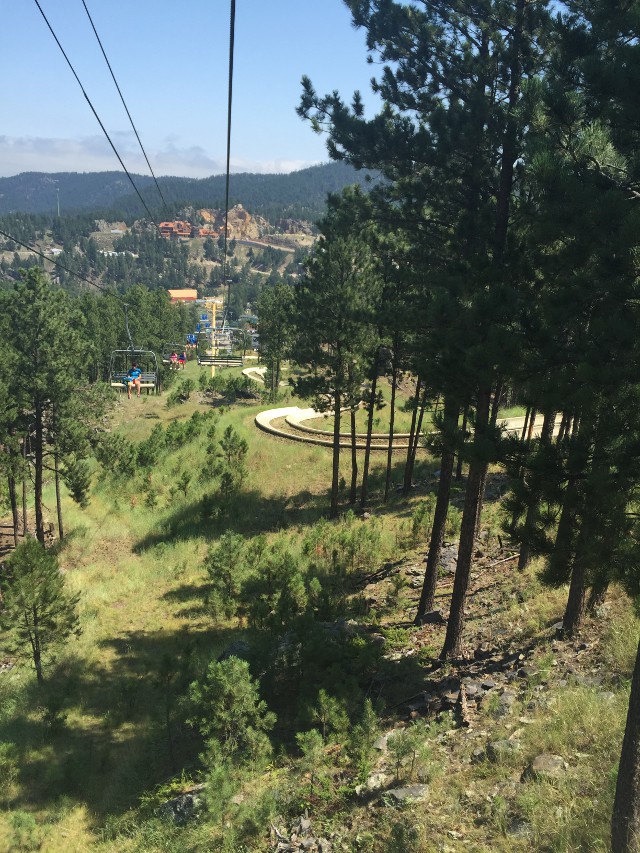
139, 572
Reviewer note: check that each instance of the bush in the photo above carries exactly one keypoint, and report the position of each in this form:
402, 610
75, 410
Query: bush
227, 710
182, 393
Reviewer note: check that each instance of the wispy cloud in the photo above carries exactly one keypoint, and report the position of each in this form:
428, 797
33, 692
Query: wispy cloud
94, 154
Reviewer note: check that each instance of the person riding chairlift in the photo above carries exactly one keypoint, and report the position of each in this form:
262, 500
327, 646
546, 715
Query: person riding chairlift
133, 378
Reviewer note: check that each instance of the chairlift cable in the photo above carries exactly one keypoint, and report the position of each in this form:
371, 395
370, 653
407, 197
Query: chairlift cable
126, 324
104, 130
55, 263
107, 292
232, 25
124, 103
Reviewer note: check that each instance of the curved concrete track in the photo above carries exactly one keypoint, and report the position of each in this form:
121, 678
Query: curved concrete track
289, 422
293, 416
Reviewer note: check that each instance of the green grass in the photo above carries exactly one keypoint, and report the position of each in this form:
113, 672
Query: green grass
93, 740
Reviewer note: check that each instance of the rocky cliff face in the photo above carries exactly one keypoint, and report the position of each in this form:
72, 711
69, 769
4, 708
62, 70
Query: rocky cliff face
245, 226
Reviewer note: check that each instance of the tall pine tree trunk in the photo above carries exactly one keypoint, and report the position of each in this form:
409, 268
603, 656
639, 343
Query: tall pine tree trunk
625, 821
465, 418
427, 596
13, 499
364, 493
38, 473
532, 504
58, 501
598, 594
524, 442
392, 415
493, 419
406, 482
335, 480
24, 486
353, 492
473, 495
574, 611
416, 437
564, 426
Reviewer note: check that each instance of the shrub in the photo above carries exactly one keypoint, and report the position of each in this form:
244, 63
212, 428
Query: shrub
227, 709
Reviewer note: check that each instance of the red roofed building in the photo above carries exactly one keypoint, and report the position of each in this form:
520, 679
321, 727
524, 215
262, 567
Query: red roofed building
186, 294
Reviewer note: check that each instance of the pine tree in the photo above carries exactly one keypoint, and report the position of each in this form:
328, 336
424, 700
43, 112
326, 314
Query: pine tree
275, 307
37, 613
333, 309
49, 351
456, 103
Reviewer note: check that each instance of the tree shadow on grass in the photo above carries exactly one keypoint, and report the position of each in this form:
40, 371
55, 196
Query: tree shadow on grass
248, 513
96, 733
192, 595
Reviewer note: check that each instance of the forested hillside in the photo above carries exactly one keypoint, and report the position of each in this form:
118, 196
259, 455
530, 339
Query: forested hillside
298, 195
375, 586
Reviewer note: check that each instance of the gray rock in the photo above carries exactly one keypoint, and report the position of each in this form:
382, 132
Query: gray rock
434, 617
410, 793
545, 766
183, 807
381, 742
302, 825
527, 672
500, 750
478, 755
376, 781
237, 649
507, 697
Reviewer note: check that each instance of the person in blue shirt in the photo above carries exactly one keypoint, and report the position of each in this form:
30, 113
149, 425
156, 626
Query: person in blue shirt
133, 378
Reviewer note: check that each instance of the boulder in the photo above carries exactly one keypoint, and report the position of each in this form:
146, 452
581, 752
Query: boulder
433, 617
183, 807
545, 766
407, 794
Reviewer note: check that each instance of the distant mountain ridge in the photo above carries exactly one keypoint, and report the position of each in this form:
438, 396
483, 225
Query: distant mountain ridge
299, 195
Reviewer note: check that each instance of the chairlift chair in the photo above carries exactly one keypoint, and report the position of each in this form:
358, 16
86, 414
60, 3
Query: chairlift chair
168, 349
123, 359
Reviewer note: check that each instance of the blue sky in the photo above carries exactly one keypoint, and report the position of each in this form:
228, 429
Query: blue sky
171, 62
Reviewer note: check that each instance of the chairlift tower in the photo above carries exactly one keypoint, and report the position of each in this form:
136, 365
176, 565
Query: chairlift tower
210, 308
